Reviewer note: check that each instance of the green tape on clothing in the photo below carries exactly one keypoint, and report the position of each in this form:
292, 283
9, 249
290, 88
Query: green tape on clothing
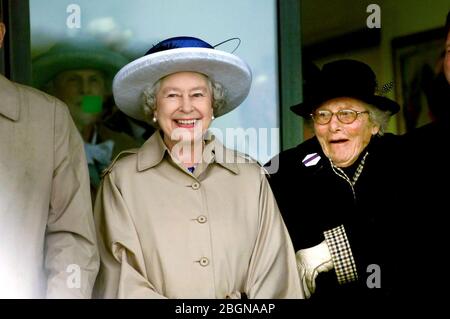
92, 104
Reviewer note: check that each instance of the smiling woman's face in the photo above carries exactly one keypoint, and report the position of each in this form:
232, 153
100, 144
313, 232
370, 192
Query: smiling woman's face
343, 143
184, 107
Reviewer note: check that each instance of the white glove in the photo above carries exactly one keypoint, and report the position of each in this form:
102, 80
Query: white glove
311, 262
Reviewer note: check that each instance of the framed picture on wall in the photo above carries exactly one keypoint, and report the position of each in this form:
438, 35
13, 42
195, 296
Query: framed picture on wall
418, 60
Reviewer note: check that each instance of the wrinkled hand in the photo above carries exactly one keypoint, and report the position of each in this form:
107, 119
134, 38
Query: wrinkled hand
310, 262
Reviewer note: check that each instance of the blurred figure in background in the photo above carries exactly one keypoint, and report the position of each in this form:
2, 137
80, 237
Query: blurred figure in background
427, 149
80, 74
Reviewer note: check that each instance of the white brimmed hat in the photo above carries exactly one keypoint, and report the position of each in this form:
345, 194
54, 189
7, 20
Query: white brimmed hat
177, 55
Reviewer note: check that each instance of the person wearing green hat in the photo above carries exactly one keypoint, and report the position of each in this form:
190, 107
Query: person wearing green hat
80, 74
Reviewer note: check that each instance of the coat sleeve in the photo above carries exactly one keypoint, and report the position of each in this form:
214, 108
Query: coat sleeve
122, 270
273, 269
71, 255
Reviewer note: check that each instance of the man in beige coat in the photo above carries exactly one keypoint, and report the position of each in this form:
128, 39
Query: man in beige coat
47, 236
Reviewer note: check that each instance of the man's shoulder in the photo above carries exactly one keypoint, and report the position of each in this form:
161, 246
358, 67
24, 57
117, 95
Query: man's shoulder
37, 97
23, 96
39, 105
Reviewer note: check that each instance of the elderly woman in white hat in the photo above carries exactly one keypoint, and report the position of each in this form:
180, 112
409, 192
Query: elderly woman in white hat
184, 217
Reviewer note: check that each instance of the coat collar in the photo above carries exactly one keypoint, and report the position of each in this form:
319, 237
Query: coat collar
153, 151
10, 101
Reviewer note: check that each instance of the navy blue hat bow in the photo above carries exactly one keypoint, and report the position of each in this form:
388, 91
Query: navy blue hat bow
179, 42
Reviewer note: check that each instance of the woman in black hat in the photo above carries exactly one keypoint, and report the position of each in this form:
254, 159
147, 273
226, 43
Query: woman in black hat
338, 213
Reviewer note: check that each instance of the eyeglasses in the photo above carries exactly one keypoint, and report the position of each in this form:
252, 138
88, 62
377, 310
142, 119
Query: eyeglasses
344, 116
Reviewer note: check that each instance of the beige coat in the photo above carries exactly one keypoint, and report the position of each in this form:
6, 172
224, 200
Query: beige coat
47, 234
164, 232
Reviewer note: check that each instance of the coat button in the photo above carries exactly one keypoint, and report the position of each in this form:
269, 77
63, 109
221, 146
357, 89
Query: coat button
195, 185
204, 261
202, 219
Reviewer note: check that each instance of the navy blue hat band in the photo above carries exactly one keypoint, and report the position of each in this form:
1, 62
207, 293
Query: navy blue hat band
179, 42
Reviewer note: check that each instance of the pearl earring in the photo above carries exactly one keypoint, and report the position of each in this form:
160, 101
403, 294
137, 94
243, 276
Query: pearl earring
154, 119
212, 117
